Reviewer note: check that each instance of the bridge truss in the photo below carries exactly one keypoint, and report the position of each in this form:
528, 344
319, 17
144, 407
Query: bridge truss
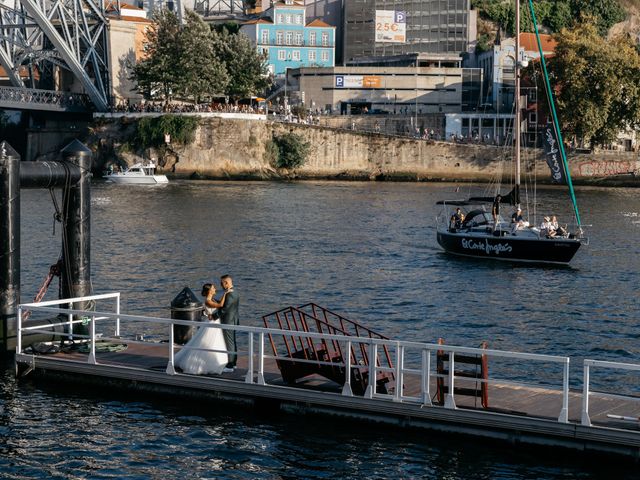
41, 39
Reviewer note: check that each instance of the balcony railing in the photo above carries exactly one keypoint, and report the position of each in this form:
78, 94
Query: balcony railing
294, 44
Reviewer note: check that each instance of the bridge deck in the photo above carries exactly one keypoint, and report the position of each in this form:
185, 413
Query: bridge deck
526, 414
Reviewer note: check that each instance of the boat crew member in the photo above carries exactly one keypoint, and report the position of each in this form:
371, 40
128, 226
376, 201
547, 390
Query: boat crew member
495, 210
456, 219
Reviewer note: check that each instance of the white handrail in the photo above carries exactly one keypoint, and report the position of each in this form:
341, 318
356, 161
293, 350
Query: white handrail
587, 364
423, 350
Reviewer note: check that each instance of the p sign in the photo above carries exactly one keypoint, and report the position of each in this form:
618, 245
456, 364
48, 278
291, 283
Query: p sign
339, 81
401, 17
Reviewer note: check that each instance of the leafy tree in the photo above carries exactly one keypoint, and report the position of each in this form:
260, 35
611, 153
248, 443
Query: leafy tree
249, 74
159, 72
597, 83
292, 151
553, 14
203, 74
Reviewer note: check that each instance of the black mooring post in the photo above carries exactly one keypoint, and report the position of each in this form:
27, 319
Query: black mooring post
9, 242
76, 275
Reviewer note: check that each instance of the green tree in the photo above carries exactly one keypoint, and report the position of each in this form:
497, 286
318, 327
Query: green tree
248, 67
597, 83
291, 151
159, 73
203, 73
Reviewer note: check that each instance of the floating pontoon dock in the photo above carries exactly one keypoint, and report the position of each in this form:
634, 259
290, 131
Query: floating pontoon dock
300, 367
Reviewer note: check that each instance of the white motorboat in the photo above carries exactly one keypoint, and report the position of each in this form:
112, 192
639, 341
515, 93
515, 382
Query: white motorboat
137, 174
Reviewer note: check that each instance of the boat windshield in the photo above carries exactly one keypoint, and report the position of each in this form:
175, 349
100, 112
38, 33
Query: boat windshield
476, 218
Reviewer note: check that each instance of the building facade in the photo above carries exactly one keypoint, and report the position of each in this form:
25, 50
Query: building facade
429, 26
284, 36
385, 90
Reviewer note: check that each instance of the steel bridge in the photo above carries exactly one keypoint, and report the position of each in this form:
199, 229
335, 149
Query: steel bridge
54, 40
51, 49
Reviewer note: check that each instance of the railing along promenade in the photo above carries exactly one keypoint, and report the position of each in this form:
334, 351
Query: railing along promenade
413, 361
50, 100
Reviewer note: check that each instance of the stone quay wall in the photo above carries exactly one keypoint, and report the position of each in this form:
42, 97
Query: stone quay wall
228, 146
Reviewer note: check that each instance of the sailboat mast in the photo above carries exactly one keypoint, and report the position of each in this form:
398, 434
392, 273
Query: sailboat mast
517, 105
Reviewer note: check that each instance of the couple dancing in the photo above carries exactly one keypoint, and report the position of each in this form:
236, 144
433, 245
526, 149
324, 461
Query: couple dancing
206, 352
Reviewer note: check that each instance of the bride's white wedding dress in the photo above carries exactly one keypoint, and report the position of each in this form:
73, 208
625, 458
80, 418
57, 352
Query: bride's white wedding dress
201, 362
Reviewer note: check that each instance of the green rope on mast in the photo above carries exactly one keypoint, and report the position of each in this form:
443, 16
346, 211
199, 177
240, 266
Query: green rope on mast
556, 124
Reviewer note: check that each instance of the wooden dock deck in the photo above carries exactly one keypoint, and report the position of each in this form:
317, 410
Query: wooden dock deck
517, 414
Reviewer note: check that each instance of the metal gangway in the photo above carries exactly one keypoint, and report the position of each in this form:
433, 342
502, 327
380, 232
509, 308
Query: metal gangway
300, 356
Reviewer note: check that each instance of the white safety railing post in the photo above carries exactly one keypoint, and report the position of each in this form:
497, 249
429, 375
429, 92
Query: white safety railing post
399, 372
19, 333
118, 315
564, 413
170, 368
373, 363
346, 389
260, 378
70, 316
449, 401
585, 420
92, 353
249, 377
426, 378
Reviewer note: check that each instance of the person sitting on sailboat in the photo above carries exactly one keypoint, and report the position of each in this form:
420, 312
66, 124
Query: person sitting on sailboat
547, 229
456, 220
517, 220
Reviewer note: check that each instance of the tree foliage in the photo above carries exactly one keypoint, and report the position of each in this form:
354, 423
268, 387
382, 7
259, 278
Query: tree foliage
248, 67
552, 14
291, 151
159, 73
195, 62
203, 72
597, 83
150, 131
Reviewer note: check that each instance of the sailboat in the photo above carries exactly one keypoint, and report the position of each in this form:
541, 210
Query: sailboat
483, 233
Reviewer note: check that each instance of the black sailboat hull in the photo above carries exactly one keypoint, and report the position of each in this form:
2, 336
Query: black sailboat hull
509, 247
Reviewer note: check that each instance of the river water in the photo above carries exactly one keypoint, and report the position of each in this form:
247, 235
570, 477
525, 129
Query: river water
366, 250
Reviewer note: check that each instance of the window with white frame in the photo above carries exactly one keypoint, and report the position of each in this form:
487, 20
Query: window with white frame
312, 38
265, 37
289, 38
299, 19
282, 55
280, 18
298, 38
296, 55
324, 56
287, 19
533, 117
325, 39
279, 38
312, 55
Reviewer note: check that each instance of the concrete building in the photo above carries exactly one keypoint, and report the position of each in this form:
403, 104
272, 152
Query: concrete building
126, 46
283, 34
385, 90
392, 27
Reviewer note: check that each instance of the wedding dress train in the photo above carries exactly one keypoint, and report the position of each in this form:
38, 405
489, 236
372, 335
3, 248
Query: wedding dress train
202, 362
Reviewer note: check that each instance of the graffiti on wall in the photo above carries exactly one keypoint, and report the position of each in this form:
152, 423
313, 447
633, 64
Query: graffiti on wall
606, 168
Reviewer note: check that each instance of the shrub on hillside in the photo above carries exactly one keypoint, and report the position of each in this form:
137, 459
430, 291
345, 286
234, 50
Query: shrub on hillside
290, 151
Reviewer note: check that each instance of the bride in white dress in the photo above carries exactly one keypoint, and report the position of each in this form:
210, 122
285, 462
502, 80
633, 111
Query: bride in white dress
192, 358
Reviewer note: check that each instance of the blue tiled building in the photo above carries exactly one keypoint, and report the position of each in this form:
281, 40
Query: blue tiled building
281, 32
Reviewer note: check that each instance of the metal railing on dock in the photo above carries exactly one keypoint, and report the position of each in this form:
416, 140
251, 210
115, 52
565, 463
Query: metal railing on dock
410, 364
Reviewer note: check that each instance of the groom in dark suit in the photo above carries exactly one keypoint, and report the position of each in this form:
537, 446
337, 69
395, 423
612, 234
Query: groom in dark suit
229, 315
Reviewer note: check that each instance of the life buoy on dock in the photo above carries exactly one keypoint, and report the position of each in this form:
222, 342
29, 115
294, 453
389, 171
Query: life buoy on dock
479, 370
